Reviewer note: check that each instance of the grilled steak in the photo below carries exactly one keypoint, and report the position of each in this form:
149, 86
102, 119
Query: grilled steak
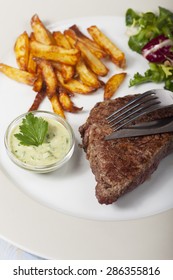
121, 165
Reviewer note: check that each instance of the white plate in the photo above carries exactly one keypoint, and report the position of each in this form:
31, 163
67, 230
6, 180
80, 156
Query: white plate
71, 190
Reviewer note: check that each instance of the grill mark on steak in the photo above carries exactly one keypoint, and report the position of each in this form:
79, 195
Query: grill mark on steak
121, 165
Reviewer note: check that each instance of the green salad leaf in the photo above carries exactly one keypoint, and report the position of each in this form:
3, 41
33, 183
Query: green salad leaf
157, 73
148, 26
32, 130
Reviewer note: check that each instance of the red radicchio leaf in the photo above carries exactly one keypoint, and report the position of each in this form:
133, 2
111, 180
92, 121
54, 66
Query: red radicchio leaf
158, 49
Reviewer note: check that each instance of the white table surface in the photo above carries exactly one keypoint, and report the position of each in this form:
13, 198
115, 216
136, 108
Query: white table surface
11, 252
151, 237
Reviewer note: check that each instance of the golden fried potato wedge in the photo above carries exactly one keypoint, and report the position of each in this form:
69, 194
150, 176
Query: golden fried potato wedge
55, 53
92, 45
41, 33
18, 75
116, 55
49, 76
113, 84
56, 106
37, 101
21, 50
66, 102
61, 40
92, 61
32, 37
38, 84
60, 64
56, 65
86, 75
32, 66
31, 63
74, 86
67, 71
71, 37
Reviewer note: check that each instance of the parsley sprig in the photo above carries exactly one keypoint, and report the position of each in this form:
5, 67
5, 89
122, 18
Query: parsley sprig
32, 130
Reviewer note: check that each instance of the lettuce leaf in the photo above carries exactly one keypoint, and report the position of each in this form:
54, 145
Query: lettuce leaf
157, 73
149, 26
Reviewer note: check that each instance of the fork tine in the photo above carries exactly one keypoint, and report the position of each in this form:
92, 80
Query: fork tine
128, 112
145, 103
150, 109
143, 95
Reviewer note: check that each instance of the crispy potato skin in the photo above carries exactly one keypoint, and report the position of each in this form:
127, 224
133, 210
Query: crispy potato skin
113, 84
66, 102
117, 56
21, 50
41, 33
94, 63
49, 76
18, 75
57, 65
55, 53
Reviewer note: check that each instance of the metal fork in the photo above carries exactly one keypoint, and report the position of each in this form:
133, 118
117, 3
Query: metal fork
147, 102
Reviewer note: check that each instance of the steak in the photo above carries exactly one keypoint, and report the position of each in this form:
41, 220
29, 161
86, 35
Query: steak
121, 165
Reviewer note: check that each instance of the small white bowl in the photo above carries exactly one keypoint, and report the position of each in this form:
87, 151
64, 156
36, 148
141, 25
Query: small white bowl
40, 168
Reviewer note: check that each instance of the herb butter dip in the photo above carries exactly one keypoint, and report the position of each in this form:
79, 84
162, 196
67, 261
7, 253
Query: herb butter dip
56, 148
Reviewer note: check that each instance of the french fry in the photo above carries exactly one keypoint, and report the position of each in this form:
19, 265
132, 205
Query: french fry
55, 53
41, 33
31, 63
60, 64
21, 49
67, 71
61, 40
74, 86
56, 106
38, 84
51, 85
31, 67
18, 75
37, 101
117, 56
66, 102
92, 61
49, 76
71, 37
32, 37
56, 65
86, 75
92, 45
113, 84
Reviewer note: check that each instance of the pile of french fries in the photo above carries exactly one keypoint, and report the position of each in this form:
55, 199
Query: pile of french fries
58, 64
